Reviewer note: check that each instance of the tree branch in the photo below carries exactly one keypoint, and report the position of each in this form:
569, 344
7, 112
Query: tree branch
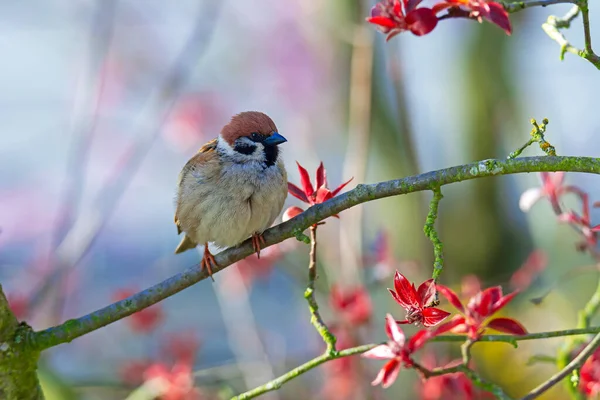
432, 234
18, 364
315, 362
75, 328
309, 295
552, 28
521, 5
277, 383
562, 374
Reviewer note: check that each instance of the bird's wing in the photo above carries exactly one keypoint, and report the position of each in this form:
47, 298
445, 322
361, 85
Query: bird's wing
206, 156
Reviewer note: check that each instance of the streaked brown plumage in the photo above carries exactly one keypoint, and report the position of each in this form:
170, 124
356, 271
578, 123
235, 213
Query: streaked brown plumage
233, 188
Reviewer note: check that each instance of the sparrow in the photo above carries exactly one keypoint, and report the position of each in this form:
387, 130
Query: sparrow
234, 187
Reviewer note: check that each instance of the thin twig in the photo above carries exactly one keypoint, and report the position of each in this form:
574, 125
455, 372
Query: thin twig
512, 7
432, 234
309, 295
572, 366
552, 28
277, 383
75, 328
464, 368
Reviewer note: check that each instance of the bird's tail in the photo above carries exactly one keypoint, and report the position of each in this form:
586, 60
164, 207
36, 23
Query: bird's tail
185, 244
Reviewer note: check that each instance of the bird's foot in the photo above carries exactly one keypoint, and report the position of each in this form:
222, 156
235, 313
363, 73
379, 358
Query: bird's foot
208, 260
257, 240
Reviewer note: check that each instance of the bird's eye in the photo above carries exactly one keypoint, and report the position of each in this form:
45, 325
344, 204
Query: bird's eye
256, 137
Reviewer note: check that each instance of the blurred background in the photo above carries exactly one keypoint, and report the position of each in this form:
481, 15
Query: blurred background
103, 102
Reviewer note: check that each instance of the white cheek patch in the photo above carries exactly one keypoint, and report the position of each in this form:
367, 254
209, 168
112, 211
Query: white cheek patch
225, 147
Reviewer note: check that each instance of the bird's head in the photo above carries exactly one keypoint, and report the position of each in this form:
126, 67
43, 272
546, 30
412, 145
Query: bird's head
251, 136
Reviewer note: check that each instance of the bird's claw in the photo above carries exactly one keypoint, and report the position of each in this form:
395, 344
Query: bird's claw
257, 240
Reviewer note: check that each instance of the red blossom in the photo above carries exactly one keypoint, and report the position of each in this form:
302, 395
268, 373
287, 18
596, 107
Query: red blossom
394, 16
176, 383
308, 193
552, 188
477, 9
589, 376
397, 350
475, 317
354, 305
143, 321
456, 386
417, 302
583, 222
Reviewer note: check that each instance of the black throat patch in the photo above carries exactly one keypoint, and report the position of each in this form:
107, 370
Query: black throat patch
271, 153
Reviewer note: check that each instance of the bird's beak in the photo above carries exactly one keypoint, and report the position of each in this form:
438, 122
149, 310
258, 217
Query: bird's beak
274, 139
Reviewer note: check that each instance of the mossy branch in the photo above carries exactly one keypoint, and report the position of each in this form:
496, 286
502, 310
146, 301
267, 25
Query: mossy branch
315, 362
18, 363
309, 295
75, 328
431, 233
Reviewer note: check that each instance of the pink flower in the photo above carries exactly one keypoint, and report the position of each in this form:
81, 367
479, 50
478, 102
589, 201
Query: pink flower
475, 317
393, 17
397, 350
417, 302
354, 305
552, 188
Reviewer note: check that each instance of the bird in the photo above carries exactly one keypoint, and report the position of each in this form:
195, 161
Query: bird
233, 188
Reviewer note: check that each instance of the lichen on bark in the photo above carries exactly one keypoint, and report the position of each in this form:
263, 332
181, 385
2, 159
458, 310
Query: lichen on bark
18, 365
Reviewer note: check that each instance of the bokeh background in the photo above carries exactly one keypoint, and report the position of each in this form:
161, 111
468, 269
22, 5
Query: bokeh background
102, 103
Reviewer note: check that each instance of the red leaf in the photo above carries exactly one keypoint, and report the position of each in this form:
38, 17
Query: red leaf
323, 194
451, 296
388, 373
405, 291
498, 15
321, 176
305, 180
410, 5
433, 316
507, 325
393, 331
419, 339
384, 22
503, 302
421, 21
456, 325
297, 192
426, 292
339, 188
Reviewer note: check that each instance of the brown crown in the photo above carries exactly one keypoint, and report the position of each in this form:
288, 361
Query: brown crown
245, 123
